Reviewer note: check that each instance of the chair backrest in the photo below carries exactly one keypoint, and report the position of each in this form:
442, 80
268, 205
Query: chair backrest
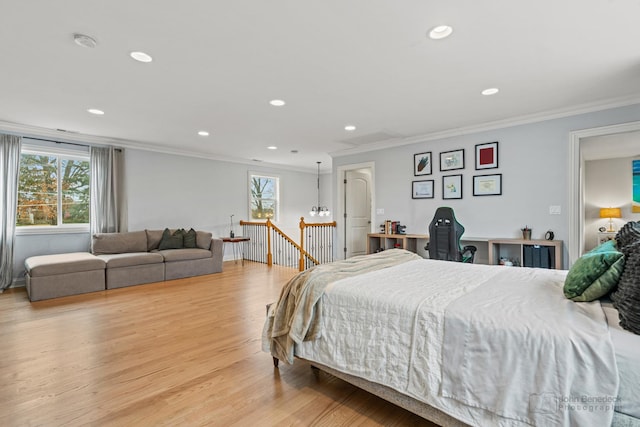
444, 236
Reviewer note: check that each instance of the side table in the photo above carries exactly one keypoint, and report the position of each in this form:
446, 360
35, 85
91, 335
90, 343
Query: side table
235, 241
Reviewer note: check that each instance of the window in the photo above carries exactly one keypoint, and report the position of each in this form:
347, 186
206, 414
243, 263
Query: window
53, 189
263, 203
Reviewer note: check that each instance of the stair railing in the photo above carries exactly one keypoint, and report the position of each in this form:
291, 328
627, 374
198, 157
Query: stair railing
268, 244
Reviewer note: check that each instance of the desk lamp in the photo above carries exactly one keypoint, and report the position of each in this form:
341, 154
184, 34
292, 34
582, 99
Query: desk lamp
610, 213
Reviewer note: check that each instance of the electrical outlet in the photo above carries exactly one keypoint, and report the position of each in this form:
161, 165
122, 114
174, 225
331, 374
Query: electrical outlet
380, 211
554, 210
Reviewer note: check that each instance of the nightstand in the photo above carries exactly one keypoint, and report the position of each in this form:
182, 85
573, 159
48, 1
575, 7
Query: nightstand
603, 236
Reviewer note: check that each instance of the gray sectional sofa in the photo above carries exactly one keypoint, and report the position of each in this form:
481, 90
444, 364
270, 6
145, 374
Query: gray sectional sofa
118, 260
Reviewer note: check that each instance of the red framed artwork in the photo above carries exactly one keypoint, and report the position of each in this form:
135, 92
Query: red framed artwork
487, 155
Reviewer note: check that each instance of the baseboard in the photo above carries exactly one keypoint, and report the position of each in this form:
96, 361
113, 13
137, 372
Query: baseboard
18, 283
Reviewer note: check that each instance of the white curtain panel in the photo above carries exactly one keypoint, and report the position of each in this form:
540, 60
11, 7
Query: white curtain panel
108, 212
10, 146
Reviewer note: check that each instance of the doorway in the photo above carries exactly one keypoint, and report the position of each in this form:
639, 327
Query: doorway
577, 179
355, 203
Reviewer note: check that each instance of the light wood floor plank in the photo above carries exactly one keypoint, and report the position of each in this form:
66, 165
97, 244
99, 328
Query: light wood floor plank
182, 352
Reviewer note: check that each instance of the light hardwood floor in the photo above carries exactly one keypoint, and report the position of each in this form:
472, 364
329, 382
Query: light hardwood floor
180, 353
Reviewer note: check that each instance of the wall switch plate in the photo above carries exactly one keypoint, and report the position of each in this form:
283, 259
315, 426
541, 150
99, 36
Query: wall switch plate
380, 211
554, 210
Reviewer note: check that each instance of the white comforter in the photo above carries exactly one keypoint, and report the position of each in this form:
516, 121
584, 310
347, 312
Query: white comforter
388, 327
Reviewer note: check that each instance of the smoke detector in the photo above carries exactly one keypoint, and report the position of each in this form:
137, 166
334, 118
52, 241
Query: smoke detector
84, 40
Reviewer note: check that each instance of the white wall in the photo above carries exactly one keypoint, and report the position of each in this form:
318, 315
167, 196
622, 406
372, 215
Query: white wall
608, 183
173, 191
533, 161
179, 191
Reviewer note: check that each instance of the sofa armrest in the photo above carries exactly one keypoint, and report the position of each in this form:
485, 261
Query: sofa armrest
216, 251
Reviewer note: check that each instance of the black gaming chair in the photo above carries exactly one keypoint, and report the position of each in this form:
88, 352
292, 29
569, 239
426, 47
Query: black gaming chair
444, 238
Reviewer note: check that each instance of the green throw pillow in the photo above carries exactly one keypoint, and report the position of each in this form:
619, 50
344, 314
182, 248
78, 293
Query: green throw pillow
190, 239
595, 274
171, 240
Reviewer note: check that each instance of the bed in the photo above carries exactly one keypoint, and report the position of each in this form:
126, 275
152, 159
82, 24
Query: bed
461, 343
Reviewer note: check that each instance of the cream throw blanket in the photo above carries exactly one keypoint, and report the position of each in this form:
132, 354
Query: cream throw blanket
296, 316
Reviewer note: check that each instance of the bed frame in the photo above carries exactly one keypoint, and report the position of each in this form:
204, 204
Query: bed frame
420, 408
390, 395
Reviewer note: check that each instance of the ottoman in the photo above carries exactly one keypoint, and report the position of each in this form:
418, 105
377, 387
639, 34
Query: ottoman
51, 276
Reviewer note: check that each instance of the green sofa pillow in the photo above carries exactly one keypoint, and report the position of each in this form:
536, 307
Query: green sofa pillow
595, 274
190, 239
170, 240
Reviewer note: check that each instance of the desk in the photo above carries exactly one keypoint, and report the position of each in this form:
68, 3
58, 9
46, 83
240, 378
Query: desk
235, 241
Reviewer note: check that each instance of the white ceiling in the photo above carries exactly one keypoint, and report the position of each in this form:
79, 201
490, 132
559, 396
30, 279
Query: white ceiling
335, 62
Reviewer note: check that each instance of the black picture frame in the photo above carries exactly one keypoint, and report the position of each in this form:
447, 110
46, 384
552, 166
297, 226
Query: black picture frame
422, 164
487, 155
487, 185
422, 189
451, 187
452, 160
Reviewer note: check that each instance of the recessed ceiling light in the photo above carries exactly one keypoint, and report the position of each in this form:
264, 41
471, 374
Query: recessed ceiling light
349, 128
141, 56
96, 111
84, 40
272, 147
440, 32
277, 102
490, 91
203, 133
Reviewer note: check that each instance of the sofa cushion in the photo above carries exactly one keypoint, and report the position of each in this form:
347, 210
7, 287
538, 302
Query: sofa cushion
153, 239
47, 265
131, 259
190, 239
171, 240
184, 254
203, 239
117, 243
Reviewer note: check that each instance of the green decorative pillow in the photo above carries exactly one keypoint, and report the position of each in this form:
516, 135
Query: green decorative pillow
171, 240
595, 274
190, 239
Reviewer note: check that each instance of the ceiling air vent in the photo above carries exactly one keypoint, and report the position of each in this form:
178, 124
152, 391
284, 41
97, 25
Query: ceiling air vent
371, 138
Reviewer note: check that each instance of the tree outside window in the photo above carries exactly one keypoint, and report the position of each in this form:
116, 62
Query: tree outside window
264, 197
53, 190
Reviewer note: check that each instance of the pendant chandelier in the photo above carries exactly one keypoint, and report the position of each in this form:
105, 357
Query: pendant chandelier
319, 210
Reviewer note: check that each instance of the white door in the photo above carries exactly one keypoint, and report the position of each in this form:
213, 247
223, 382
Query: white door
357, 212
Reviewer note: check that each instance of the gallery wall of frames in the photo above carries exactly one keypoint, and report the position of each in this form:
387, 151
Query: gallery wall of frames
452, 164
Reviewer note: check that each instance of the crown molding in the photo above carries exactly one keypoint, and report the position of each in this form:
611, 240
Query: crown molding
96, 140
497, 124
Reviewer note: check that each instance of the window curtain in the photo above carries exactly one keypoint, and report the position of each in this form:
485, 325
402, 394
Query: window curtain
10, 146
108, 211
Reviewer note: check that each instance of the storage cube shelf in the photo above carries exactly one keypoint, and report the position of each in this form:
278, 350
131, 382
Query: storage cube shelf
532, 253
380, 241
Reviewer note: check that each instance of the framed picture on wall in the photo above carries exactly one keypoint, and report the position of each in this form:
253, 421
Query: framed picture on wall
422, 164
487, 185
487, 155
450, 160
452, 187
422, 189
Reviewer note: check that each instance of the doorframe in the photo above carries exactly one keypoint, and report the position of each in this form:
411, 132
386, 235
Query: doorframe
576, 182
340, 211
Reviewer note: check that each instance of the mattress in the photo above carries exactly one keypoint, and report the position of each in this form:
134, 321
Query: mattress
627, 350
359, 341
